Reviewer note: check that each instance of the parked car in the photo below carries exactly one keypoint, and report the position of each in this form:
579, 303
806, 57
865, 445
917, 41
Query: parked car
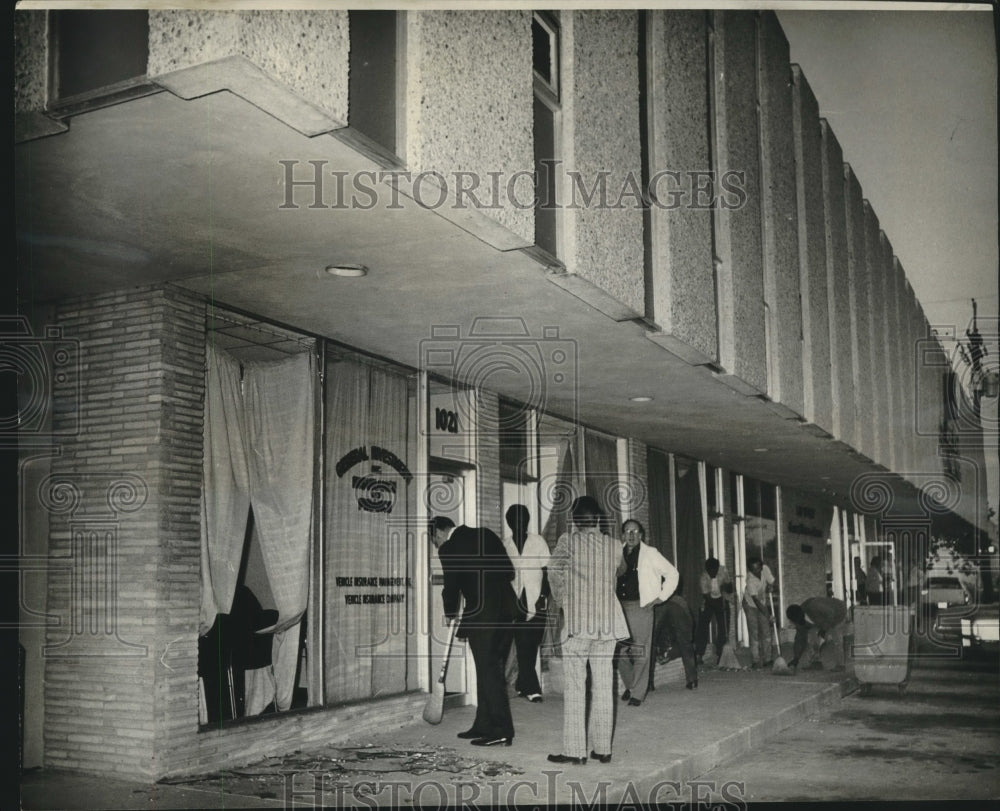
944, 592
981, 631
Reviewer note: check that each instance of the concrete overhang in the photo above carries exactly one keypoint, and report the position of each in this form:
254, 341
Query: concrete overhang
193, 192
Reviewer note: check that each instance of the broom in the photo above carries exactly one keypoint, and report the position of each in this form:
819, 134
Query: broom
727, 659
780, 667
434, 708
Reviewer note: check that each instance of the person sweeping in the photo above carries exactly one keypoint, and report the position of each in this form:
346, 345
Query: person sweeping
817, 621
779, 668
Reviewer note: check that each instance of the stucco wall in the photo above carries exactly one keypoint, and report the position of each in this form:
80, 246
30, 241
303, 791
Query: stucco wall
790, 359
469, 101
682, 278
815, 271
864, 409
601, 135
31, 61
893, 364
741, 275
838, 288
876, 342
305, 50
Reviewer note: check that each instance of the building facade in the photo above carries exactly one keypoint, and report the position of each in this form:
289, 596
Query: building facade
293, 282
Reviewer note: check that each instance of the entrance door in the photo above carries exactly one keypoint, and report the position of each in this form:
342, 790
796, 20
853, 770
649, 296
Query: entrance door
447, 496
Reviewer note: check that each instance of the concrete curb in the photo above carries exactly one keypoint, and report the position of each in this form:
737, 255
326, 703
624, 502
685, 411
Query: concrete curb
750, 736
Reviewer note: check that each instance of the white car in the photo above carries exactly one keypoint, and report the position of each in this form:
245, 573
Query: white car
944, 592
981, 631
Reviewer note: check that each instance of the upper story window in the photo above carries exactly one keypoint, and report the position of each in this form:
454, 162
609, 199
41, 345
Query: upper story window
545, 52
373, 90
91, 50
546, 129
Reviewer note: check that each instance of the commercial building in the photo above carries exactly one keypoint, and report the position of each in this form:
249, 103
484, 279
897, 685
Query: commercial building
291, 282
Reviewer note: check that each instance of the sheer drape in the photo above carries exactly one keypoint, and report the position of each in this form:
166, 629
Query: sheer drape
601, 470
558, 523
259, 434
367, 504
226, 500
560, 496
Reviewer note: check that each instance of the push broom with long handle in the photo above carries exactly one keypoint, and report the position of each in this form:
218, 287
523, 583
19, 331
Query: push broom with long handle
434, 709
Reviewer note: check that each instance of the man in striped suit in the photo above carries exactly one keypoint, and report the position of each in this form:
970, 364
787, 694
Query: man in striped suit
582, 578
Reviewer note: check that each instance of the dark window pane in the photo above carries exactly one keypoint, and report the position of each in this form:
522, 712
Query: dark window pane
545, 178
99, 48
372, 82
513, 435
541, 47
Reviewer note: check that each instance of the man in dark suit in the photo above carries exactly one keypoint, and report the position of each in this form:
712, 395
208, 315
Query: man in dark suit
477, 568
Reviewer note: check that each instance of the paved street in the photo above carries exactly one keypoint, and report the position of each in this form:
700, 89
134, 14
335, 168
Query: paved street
941, 740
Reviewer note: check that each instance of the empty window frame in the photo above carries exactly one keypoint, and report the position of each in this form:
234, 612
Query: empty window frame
91, 50
373, 86
546, 127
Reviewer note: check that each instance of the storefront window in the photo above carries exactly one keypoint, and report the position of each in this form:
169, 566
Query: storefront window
309, 515
760, 504
369, 537
257, 510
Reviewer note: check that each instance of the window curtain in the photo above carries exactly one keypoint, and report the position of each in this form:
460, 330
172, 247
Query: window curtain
369, 494
259, 434
690, 531
658, 473
561, 497
601, 471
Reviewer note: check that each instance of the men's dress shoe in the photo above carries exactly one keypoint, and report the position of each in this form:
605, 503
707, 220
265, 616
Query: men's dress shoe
602, 758
534, 698
497, 740
470, 733
691, 684
626, 695
634, 702
576, 761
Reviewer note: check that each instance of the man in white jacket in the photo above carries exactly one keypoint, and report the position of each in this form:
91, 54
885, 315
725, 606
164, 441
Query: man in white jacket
529, 553
645, 579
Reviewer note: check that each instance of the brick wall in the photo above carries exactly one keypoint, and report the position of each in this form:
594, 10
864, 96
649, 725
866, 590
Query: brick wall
803, 573
123, 500
638, 482
490, 491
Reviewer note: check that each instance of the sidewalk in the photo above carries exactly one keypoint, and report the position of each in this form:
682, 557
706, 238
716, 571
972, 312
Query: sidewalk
675, 736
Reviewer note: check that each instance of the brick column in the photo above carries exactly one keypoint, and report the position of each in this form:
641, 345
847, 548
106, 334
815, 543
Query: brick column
124, 501
490, 491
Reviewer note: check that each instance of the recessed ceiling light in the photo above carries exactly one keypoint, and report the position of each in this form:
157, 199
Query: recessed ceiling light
760, 450
641, 398
347, 269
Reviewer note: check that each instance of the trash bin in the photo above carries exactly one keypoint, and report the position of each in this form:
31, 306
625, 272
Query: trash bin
883, 645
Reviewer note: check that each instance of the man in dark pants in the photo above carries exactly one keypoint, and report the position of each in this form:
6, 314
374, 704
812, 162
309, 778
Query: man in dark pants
477, 568
529, 553
674, 626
